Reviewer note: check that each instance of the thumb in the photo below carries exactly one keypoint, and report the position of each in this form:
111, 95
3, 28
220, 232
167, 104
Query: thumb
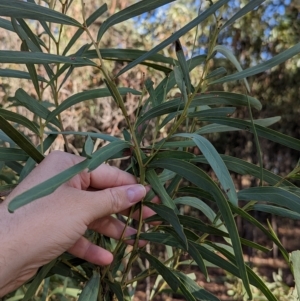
112, 200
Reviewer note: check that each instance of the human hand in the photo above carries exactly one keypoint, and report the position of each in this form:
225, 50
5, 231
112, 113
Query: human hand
42, 230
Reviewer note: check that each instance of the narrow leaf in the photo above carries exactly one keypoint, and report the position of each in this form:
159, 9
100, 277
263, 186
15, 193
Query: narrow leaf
196, 176
158, 187
163, 270
91, 289
216, 164
261, 131
277, 211
92, 135
86, 95
183, 65
130, 12
20, 119
18, 74
250, 6
275, 61
12, 154
217, 128
27, 10
176, 35
170, 216
33, 105
230, 56
275, 195
20, 140
90, 20
116, 288
19, 57
295, 258
36, 282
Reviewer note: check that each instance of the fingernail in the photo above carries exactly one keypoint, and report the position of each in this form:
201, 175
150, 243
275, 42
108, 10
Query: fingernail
136, 193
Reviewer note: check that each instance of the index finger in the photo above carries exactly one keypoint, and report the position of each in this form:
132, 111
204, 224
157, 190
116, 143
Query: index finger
106, 176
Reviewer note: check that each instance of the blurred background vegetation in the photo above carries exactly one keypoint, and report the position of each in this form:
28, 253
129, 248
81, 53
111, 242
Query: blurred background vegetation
268, 30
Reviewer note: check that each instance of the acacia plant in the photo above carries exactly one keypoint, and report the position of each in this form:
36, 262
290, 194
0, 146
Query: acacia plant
167, 163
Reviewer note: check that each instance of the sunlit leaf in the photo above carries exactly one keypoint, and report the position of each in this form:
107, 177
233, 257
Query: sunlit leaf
130, 12
230, 56
27, 10
176, 35
275, 61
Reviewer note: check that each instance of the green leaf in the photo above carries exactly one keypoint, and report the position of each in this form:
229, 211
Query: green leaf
130, 12
92, 135
212, 257
90, 20
12, 154
30, 164
128, 55
11, 116
26, 10
275, 195
163, 270
198, 204
261, 131
169, 81
36, 282
158, 187
87, 95
46, 187
268, 233
20, 140
116, 288
91, 289
88, 147
295, 259
214, 112
152, 98
216, 72
183, 65
6, 25
18, 74
176, 35
275, 61
197, 291
216, 163
33, 105
230, 56
196, 176
170, 216
195, 254
226, 98
176, 105
245, 168
19, 57
245, 9
217, 128
277, 211
106, 152
185, 292
31, 70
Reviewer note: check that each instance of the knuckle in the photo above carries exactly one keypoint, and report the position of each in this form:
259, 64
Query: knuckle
115, 199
